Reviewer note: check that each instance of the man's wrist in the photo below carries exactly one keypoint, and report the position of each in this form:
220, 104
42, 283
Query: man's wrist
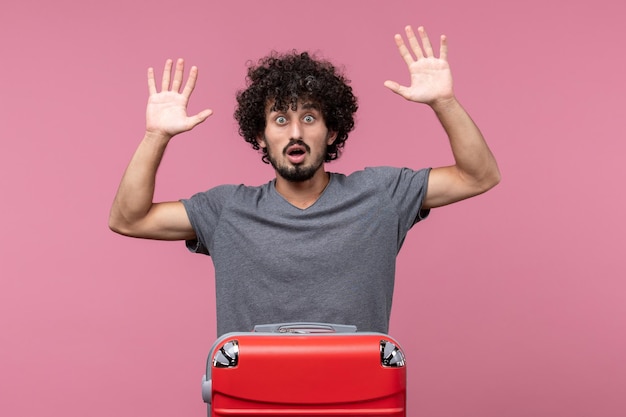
444, 104
157, 137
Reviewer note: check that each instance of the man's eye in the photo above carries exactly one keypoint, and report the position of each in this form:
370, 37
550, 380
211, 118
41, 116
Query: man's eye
281, 120
309, 119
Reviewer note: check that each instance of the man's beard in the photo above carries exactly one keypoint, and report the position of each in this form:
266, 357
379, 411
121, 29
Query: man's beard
299, 172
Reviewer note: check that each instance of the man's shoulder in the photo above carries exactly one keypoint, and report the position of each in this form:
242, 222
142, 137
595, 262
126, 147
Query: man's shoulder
239, 190
228, 195
382, 178
368, 174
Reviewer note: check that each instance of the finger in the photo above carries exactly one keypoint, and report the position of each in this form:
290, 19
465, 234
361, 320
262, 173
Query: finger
191, 82
201, 117
428, 49
404, 51
443, 49
151, 83
193, 121
167, 72
393, 86
178, 75
415, 46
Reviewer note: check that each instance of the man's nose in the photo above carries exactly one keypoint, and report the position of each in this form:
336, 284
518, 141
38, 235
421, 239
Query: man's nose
296, 129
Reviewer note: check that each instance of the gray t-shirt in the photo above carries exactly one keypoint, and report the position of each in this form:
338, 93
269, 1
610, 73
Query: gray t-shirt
332, 262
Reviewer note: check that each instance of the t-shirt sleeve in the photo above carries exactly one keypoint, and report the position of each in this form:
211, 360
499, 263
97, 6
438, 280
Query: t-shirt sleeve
406, 188
204, 210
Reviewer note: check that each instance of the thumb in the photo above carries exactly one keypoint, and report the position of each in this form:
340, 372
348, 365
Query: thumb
393, 86
200, 117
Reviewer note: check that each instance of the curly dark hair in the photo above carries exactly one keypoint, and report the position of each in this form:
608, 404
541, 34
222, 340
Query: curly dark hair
286, 79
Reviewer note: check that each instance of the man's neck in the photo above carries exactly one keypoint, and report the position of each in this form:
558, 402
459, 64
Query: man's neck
303, 194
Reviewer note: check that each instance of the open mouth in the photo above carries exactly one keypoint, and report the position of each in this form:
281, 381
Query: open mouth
296, 152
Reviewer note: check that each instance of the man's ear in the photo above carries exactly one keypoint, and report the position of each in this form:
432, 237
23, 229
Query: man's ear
332, 136
260, 139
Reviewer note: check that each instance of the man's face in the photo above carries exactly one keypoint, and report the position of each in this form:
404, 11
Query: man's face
296, 141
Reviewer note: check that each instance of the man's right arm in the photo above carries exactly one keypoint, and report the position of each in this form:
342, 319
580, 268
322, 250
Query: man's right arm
133, 212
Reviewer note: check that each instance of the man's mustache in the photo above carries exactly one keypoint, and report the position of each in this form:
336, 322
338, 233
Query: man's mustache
299, 142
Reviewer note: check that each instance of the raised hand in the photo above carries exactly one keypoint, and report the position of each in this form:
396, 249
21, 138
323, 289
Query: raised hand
166, 113
431, 79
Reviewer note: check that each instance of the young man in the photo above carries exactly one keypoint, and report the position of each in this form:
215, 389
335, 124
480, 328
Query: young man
309, 245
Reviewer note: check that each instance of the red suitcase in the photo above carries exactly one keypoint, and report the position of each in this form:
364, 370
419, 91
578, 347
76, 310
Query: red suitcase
307, 369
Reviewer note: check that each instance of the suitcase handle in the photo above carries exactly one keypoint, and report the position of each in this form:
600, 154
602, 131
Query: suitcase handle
304, 328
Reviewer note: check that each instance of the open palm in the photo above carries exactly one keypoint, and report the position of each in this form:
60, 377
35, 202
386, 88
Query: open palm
166, 112
431, 79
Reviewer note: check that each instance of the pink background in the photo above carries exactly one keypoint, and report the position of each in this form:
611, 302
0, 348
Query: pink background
510, 304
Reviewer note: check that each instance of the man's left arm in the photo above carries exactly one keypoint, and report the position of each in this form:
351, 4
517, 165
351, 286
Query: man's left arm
475, 170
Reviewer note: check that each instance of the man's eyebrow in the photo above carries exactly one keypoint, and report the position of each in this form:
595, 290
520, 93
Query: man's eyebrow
310, 105
307, 105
